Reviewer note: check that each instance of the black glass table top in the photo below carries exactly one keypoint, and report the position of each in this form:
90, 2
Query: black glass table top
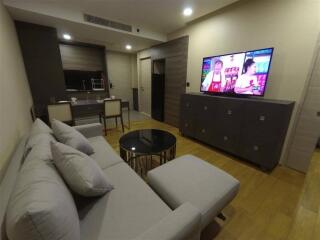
147, 141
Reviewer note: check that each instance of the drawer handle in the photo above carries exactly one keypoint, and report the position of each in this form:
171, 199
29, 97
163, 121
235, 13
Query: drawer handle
205, 108
229, 112
255, 148
225, 138
262, 118
203, 130
186, 125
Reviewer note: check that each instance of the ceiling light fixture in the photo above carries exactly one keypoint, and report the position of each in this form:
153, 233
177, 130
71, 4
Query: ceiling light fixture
128, 47
67, 36
187, 12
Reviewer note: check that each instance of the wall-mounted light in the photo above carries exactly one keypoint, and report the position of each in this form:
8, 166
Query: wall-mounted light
128, 47
187, 12
67, 36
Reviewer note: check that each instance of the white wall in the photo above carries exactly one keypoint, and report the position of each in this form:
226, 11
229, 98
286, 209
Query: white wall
122, 74
291, 26
15, 98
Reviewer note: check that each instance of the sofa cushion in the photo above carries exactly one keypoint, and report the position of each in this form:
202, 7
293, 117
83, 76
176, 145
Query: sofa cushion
39, 126
81, 173
41, 206
104, 154
190, 179
39, 132
125, 212
37, 139
70, 136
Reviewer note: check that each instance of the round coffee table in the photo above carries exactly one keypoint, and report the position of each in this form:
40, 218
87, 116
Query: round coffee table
139, 148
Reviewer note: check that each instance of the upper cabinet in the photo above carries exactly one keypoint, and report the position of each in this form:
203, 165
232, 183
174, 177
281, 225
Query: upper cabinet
42, 60
84, 67
82, 58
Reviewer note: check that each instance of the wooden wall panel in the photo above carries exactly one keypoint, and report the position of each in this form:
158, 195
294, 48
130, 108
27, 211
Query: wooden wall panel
175, 85
175, 53
85, 57
81, 58
41, 55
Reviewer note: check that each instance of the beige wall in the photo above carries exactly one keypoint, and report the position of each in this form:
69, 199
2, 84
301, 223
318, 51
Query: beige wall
15, 98
122, 74
291, 26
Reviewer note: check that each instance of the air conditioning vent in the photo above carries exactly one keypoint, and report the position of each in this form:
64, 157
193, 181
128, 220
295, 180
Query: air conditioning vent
107, 23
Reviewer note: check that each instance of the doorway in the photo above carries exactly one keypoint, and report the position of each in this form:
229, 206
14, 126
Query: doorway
145, 86
158, 88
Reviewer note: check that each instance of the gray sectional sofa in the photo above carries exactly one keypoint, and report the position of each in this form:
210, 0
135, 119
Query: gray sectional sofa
132, 210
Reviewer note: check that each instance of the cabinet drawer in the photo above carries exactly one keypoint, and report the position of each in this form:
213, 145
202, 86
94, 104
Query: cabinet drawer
187, 127
203, 132
265, 119
230, 115
225, 140
264, 152
189, 105
207, 108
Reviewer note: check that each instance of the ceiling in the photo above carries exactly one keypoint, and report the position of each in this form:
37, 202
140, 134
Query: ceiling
154, 18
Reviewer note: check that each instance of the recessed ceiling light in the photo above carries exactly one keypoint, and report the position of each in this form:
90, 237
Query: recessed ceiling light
128, 47
187, 12
67, 36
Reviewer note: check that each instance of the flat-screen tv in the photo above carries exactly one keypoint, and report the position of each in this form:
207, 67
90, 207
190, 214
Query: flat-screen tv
243, 73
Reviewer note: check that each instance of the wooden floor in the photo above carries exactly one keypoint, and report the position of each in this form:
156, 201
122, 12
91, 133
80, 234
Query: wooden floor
265, 208
307, 221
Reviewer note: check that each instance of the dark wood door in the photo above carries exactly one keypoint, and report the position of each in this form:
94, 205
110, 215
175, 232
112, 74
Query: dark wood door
175, 86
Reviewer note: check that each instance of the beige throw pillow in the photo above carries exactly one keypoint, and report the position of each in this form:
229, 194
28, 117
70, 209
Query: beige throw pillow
41, 206
39, 132
70, 136
81, 173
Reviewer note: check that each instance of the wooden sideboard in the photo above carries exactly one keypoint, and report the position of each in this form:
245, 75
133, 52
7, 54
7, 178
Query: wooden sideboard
250, 128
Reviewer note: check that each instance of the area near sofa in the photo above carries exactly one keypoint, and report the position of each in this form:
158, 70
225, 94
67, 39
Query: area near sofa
255, 208
131, 210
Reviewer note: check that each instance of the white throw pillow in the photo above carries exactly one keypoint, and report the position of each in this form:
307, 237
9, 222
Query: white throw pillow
41, 206
39, 132
34, 140
70, 136
81, 173
39, 126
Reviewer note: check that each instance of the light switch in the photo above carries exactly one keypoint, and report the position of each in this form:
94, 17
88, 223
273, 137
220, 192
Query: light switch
262, 118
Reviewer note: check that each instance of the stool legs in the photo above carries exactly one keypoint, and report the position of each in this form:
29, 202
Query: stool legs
105, 126
122, 123
221, 216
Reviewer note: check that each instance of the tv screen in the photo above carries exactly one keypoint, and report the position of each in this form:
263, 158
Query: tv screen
244, 73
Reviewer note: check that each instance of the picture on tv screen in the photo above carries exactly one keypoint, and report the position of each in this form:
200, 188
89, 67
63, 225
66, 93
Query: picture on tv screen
239, 73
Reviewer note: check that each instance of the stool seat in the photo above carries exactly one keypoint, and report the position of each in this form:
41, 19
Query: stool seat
190, 179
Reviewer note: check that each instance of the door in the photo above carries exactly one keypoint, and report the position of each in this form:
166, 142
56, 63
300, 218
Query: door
307, 132
158, 78
145, 86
